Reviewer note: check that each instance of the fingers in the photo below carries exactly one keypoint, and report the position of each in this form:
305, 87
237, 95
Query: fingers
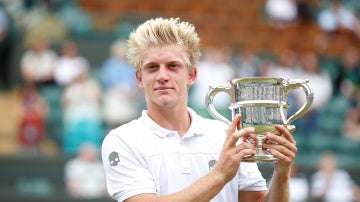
252, 139
282, 145
244, 149
232, 144
235, 124
285, 132
282, 153
232, 153
235, 132
244, 133
247, 147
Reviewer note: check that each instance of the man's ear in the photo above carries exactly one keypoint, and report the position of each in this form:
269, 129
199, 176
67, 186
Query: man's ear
192, 77
139, 79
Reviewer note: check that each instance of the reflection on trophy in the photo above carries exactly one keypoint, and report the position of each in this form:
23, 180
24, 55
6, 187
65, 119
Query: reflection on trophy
262, 103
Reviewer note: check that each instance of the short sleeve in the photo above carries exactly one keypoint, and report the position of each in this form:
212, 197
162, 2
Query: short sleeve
126, 175
250, 178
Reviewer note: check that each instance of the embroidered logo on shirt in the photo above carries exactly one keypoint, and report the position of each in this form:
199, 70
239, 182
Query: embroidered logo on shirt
212, 164
114, 159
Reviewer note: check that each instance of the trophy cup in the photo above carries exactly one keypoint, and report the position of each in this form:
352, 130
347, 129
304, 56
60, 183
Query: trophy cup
262, 102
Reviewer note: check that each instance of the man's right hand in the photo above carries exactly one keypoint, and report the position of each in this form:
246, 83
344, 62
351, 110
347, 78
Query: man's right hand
232, 152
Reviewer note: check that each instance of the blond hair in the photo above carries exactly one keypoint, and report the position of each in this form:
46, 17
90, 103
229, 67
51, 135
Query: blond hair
163, 32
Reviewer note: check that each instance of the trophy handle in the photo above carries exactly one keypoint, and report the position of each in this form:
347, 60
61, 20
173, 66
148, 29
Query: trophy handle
303, 84
209, 98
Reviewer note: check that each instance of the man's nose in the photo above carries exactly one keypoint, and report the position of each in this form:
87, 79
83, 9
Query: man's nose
163, 74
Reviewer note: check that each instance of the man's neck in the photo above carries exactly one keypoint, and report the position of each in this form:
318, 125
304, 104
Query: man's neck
170, 119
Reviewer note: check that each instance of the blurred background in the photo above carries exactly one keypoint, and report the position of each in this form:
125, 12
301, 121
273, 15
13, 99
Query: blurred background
65, 83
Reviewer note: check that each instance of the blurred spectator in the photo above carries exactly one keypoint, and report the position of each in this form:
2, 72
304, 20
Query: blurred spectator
81, 101
331, 183
247, 64
122, 96
31, 130
4, 30
287, 65
42, 21
351, 127
349, 79
38, 63
306, 10
281, 13
216, 70
4, 23
116, 71
320, 84
84, 174
76, 19
70, 64
328, 61
336, 17
321, 45
299, 185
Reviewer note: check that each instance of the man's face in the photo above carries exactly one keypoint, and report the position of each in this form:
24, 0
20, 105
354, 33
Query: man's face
164, 76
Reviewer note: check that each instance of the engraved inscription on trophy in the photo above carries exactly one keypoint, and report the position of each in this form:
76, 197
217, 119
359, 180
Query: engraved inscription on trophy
262, 103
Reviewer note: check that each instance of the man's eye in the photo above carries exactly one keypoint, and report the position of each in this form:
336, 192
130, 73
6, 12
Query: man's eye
151, 67
174, 66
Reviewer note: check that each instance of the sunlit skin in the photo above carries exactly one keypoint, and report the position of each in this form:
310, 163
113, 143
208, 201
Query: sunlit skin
162, 77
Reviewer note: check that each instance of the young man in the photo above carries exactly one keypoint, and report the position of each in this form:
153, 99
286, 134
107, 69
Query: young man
172, 154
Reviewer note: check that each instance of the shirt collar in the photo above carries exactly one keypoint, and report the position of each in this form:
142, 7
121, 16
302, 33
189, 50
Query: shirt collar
196, 127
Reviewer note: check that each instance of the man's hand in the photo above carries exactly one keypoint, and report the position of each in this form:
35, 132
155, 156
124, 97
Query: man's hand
283, 147
233, 151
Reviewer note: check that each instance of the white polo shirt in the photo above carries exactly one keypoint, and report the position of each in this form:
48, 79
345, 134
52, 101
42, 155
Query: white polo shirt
142, 157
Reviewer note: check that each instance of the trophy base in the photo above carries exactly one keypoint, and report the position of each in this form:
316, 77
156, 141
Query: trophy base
260, 158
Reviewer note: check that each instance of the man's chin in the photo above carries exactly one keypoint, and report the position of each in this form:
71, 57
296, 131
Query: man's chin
166, 103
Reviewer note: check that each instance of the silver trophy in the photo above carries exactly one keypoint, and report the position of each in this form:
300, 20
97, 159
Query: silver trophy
263, 103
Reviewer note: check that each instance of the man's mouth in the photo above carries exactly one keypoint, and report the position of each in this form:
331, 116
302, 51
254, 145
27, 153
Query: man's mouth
162, 88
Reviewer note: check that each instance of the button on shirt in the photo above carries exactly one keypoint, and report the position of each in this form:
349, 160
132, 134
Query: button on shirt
142, 157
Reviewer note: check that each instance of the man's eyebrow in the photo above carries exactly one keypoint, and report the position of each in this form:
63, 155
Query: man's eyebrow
149, 63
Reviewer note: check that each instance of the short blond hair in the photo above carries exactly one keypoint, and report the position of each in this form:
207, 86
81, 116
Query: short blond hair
163, 32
